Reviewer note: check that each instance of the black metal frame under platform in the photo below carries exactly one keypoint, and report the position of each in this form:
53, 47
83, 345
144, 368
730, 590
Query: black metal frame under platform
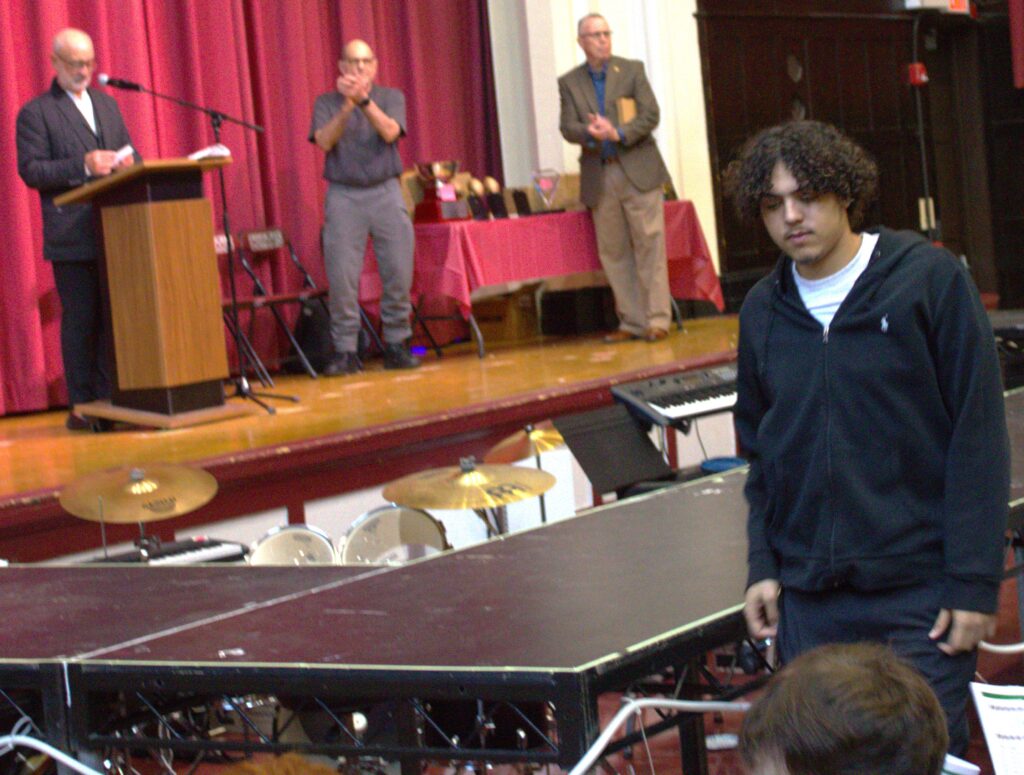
534, 626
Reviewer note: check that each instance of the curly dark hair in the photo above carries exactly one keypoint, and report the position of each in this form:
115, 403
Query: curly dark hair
819, 156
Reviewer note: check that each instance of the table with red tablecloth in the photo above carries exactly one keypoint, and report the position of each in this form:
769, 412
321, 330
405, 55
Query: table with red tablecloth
454, 258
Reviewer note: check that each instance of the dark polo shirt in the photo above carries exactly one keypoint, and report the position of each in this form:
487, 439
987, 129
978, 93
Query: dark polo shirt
361, 158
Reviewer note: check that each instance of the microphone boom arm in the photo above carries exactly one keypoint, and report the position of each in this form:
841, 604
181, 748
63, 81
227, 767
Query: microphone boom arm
216, 116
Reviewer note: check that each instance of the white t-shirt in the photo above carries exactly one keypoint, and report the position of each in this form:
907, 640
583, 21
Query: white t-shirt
823, 297
84, 105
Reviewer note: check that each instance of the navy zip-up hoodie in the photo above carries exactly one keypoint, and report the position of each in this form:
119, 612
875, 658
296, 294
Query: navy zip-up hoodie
878, 447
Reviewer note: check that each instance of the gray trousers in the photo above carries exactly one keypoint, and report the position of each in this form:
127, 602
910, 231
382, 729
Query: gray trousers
350, 215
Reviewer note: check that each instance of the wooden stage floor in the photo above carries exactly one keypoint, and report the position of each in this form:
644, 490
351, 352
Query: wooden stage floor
345, 433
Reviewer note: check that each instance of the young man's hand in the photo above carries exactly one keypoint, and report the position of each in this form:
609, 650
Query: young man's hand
761, 609
966, 630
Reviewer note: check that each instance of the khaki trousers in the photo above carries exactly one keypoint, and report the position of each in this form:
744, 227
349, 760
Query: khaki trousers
630, 227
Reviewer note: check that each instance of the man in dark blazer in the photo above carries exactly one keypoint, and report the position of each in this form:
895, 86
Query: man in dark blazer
65, 137
609, 109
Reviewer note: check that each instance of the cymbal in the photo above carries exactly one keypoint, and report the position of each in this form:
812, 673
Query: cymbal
532, 441
468, 486
138, 493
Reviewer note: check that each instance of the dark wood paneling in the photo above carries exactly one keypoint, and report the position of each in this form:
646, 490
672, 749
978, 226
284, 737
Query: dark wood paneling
1004, 136
801, 8
853, 57
845, 68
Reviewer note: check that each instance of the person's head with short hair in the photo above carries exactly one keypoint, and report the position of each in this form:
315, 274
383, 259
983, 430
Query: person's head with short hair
73, 59
810, 185
845, 709
357, 58
595, 38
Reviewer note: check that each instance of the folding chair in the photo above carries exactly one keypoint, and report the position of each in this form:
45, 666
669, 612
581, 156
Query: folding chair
266, 242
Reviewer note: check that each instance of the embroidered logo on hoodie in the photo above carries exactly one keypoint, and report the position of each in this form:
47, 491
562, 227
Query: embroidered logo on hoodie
885, 323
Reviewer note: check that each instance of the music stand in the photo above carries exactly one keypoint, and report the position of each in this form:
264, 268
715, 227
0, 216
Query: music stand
614, 451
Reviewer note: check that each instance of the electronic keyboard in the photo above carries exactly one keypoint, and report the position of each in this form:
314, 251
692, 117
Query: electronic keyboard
187, 552
675, 399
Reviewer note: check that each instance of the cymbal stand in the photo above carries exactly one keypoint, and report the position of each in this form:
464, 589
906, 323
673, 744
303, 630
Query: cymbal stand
103, 527
536, 454
147, 544
496, 519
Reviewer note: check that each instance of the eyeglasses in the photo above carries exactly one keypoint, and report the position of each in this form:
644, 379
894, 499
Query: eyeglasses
360, 61
598, 34
78, 64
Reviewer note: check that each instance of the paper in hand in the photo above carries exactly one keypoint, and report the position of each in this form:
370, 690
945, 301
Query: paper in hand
123, 153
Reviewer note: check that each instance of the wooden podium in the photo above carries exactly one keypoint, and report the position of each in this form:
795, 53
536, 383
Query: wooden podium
162, 301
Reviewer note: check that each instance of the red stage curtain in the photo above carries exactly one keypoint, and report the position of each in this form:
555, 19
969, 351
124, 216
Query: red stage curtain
1017, 41
263, 62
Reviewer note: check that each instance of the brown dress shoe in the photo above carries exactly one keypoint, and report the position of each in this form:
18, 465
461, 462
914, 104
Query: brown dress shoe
615, 337
655, 334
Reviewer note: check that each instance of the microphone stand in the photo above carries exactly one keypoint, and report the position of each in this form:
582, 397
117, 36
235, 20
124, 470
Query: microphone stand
242, 387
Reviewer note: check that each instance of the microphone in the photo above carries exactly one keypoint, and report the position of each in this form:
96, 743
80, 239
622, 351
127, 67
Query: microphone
117, 83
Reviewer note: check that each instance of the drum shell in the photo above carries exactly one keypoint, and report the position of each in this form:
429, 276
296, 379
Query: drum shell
293, 545
392, 535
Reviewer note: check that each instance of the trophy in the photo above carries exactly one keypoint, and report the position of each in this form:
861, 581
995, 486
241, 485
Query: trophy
440, 202
477, 204
495, 201
545, 181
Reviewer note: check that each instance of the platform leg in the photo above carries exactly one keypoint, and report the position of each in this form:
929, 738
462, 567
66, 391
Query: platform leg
693, 752
408, 737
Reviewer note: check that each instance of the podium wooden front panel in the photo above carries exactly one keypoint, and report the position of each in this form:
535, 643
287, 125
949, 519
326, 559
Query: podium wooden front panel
164, 294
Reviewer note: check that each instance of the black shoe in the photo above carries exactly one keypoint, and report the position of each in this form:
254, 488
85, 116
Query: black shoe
341, 364
77, 422
397, 356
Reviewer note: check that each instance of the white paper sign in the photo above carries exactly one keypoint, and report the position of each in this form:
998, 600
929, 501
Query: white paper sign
1001, 710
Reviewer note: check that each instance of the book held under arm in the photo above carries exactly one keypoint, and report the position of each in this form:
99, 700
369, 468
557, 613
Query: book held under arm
627, 109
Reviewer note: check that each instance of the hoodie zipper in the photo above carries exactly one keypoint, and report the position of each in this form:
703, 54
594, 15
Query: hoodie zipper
828, 450
825, 335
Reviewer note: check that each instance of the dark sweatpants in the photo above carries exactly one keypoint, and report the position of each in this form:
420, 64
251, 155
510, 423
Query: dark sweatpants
899, 617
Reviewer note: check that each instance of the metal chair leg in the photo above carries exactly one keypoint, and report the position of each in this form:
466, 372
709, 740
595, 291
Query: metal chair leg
426, 330
677, 314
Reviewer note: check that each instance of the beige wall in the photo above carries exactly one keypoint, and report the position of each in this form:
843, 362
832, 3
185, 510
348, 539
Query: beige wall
535, 41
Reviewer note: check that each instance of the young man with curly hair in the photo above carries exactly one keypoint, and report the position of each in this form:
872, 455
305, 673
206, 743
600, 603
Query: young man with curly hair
870, 408
845, 709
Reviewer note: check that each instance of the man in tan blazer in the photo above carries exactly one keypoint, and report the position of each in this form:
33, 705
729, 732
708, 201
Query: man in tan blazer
609, 109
